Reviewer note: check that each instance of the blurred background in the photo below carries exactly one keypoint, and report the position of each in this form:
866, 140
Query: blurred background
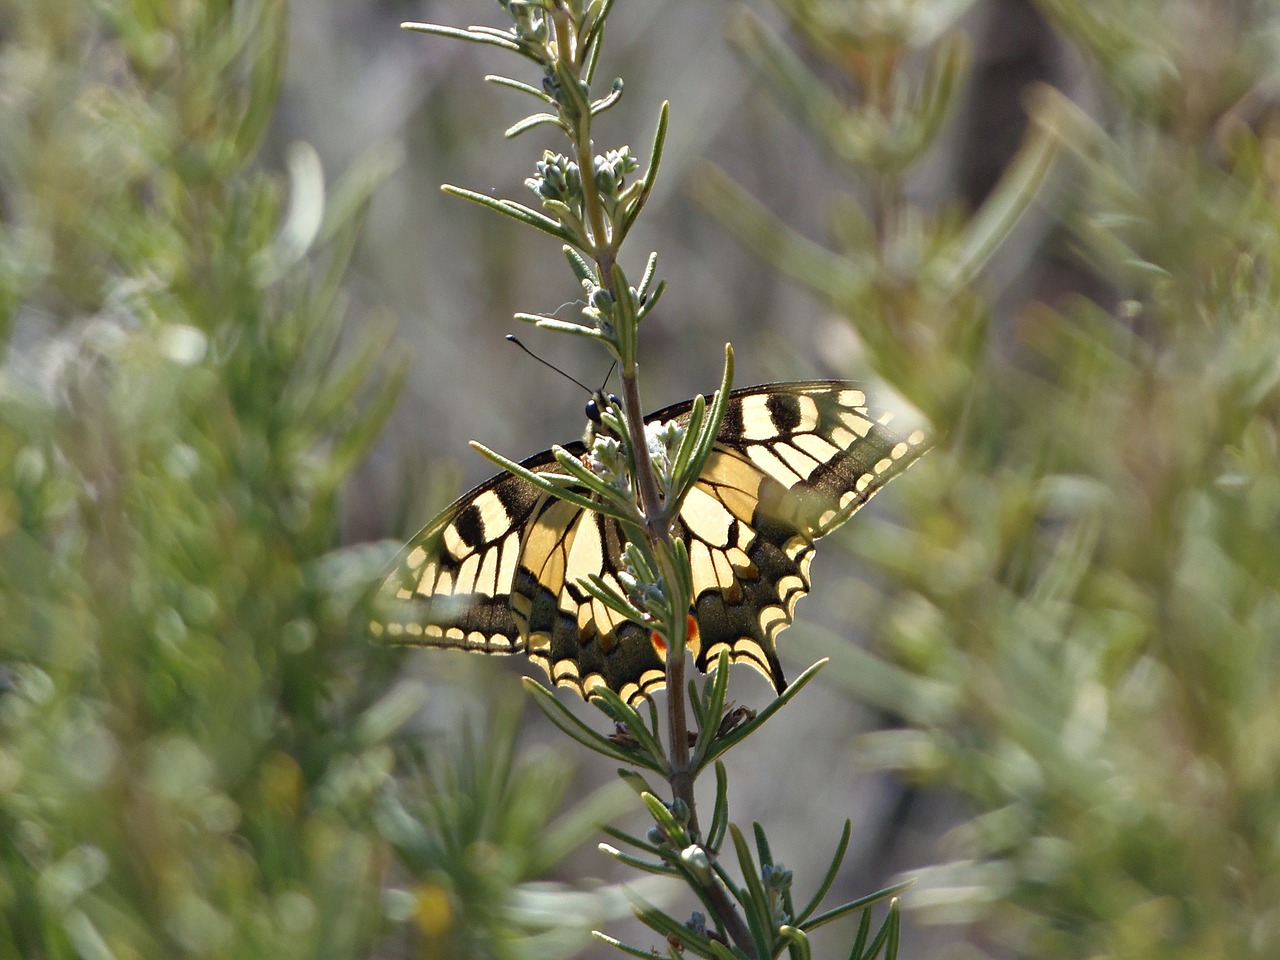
248, 339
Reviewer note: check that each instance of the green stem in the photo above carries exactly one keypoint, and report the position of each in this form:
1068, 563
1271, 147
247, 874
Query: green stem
679, 772
656, 520
658, 531
602, 248
655, 517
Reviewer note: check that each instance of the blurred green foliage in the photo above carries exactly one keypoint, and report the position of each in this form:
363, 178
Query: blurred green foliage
1081, 632
1083, 638
195, 746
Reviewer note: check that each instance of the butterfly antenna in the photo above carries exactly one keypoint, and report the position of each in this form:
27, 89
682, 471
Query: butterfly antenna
546, 363
608, 373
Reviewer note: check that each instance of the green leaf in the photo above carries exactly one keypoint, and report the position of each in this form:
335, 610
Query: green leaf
664, 818
637, 783
829, 877
719, 810
583, 270
806, 98
650, 175
636, 863
711, 709
560, 715
592, 38
516, 211
604, 103
946, 72
669, 927
666, 854
624, 947
622, 712
840, 277
521, 87
724, 743
797, 940
887, 936
646, 280
860, 939
755, 905
1053, 116
557, 325
652, 299
548, 482
614, 503
611, 598
893, 923
870, 899
708, 434
681, 464
472, 35
762, 844
530, 122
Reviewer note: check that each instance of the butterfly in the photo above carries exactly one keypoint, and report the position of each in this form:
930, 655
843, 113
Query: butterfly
498, 570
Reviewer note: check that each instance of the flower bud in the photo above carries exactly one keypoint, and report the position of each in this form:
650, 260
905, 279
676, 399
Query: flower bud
680, 811
602, 299
696, 859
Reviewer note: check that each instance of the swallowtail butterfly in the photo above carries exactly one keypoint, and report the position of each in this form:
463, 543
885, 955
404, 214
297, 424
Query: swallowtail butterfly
498, 570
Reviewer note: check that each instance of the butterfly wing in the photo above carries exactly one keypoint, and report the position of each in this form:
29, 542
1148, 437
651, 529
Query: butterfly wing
451, 585
578, 640
499, 570
792, 462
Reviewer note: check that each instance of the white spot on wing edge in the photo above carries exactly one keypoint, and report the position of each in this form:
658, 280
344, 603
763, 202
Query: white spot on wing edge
565, 670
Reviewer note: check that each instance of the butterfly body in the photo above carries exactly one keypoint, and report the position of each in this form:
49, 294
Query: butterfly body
498, 570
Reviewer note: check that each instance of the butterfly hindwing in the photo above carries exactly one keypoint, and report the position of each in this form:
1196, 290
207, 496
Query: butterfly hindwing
578, 640
499, 570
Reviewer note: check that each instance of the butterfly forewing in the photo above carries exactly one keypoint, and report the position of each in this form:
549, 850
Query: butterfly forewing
791, 463
499, 571
451, 585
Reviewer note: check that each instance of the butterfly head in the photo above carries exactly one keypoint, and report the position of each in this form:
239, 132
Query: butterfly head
597, 407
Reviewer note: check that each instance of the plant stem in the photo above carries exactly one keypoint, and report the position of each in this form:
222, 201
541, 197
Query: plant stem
679, 775
659, 533
657, 529
728, 915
